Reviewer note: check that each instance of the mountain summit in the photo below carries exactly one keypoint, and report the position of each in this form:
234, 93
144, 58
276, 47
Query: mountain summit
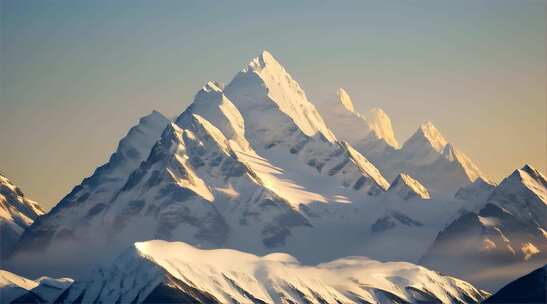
269, 97
425, 145
380, 124
426, 155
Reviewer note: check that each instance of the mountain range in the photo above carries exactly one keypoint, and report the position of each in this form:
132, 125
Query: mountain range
253, 168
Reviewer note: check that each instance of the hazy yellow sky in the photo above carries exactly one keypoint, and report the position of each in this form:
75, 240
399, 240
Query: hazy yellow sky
75, 75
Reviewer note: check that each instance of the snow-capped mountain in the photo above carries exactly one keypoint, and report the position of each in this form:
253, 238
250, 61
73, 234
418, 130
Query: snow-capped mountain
17, 212
277, 114
241, 168
70, 217
254, 167
524, 194
194, 185
17, 289
272, 102
429, 158
528, 289
509, 230
407, 188
425, 145
159, 271
426, 156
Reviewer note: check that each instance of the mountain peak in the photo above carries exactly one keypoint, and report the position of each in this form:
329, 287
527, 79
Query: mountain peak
433, 136
211, 104
482, 182
345, 100
380, 123
153, 118
524, 194
454, 155
425, 146
210, 93
532, 172
267, 56
407, 187
265, 93
533, 179
264, 60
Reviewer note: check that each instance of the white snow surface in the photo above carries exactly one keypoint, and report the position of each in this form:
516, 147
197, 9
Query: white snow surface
407, 187
477, 191
230, 276
13, 286
17, 212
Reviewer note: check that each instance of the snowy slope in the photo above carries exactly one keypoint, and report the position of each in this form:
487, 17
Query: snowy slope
17, 212
68, 218
478, 191
23, 290
211, 103
159, 271
407, 188
509, 230
192, 186
278, 115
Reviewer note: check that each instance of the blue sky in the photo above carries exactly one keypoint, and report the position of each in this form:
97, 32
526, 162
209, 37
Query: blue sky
75, 75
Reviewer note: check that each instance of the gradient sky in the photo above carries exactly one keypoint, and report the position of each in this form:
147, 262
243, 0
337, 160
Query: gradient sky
75, 75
